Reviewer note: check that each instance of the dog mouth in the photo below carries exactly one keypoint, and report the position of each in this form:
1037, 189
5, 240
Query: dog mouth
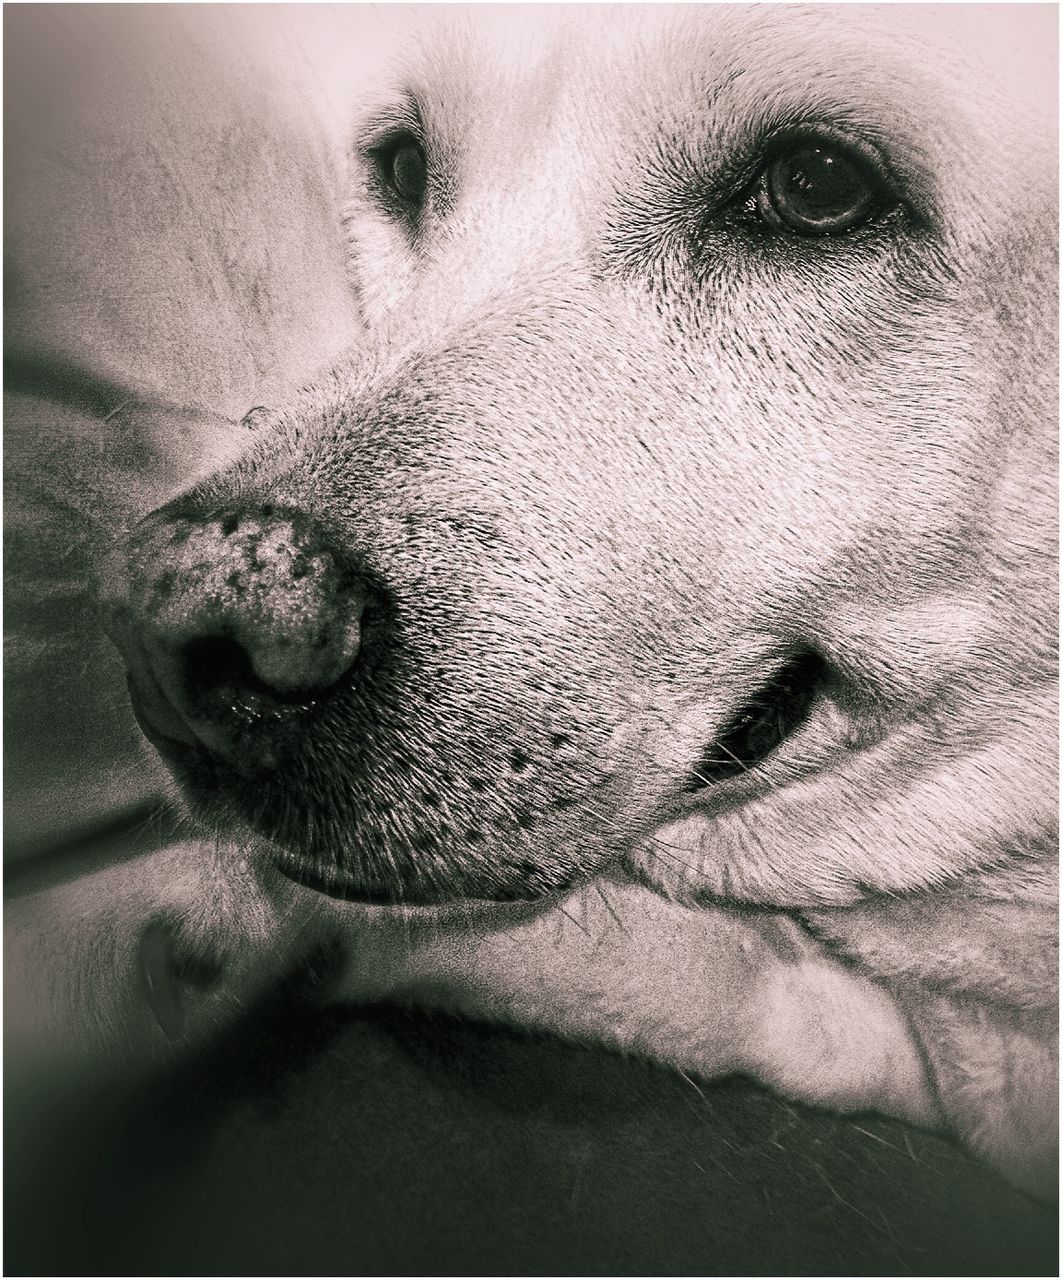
754, 732
763, 723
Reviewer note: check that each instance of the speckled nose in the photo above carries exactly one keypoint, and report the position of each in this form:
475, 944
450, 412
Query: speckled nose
231, 622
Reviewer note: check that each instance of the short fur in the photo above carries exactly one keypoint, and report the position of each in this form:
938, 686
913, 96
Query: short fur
604, 458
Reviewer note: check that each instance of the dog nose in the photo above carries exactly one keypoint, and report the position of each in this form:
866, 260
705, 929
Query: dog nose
231, 623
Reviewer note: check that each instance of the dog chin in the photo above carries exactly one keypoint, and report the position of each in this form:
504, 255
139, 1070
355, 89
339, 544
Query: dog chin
327, 872
411, 894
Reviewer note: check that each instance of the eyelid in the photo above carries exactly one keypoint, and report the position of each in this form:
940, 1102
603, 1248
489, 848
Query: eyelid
390, 139
393, 124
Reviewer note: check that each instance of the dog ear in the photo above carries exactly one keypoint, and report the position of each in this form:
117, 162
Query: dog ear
974, 967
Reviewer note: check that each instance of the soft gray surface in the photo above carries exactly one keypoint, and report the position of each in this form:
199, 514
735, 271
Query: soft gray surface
388, 1144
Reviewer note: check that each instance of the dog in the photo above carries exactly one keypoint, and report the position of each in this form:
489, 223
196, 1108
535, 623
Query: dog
647, 632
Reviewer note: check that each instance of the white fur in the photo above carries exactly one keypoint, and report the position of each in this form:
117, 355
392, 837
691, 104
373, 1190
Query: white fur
648, 475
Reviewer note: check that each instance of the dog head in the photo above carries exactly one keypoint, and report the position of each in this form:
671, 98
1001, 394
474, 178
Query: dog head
696, 466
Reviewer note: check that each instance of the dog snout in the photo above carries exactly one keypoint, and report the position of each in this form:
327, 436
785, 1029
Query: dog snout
234, 624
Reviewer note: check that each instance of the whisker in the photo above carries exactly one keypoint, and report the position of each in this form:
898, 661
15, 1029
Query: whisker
736, 759
608, 907
577, 923
671, 857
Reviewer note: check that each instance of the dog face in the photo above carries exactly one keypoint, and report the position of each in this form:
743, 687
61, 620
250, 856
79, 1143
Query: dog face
696, 470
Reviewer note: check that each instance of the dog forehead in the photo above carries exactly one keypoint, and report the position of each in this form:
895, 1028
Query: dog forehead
936, 42
496, 80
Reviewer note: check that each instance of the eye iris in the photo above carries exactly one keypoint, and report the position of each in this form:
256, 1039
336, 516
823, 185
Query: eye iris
409, 173
818, 190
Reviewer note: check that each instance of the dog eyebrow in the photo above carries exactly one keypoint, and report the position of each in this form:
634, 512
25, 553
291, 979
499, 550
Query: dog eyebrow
399, 113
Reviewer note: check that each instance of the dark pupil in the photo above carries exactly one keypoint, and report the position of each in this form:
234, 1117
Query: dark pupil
819, 186
409, 173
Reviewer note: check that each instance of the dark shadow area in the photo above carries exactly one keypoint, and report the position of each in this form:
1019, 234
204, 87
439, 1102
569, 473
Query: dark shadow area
342, 1143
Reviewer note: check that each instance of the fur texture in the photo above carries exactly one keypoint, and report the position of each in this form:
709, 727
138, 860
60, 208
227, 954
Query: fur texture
610, 453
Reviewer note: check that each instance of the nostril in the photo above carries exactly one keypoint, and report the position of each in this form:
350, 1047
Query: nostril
232, 621
216, 665
216, 662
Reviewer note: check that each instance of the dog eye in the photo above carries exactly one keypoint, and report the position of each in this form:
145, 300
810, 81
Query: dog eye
818, 188
403, 168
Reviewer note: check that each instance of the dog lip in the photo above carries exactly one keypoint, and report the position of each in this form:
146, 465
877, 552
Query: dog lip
325, 881
761, 724
187, 749
158, 719
332, 886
